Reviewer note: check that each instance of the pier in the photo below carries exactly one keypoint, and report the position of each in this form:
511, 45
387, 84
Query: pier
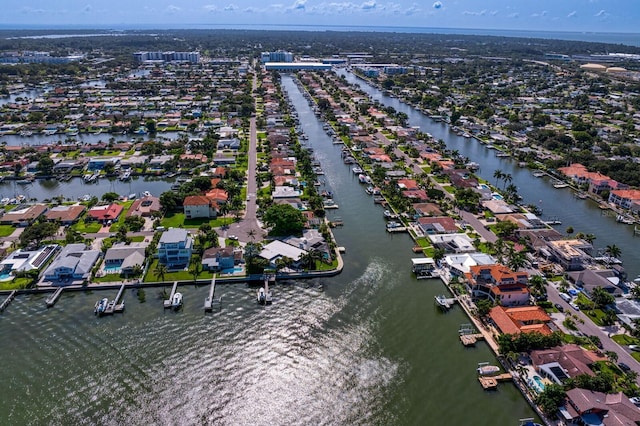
208, 302
167, 302
8, 300
490, 383
445, 302
468, 335
115, 305
51, 300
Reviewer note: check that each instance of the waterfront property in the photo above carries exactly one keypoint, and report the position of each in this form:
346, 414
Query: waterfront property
26, 260
200, 206
174, 248
23, 216
522, 319
217, 259
145, 207
74, 263
584, 406
124, 258
105, 214
277, 250
66, 215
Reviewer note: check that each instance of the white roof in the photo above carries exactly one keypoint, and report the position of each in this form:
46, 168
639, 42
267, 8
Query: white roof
422, 261
277, 248
463, 262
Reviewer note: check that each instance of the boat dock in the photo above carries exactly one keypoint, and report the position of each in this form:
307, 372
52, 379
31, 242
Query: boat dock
115, 306
208, 302
8, 300
167, 302
51, 300
490, 383
468, 335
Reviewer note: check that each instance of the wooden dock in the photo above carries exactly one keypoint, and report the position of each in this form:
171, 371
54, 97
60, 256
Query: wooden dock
167, 303
115, 305
208, 302
8, 300
490, 383
51, 300
471, 339
445, 302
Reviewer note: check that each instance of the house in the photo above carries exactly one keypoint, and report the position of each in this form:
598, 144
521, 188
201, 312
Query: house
624, 198
74, 263
220, 258
437, 225
311, 239
122, 258
522, 319
232, 144
23, 216
219, 196
27, 260
570, 254
584, 406
499, 283
95, 164
145, 207
453, 243
106, 213
174, 248
427, 209
562, 362
278, 249
460, 264
66, 215
589, 279
196, 206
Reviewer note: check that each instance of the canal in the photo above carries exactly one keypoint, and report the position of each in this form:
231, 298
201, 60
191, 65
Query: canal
365, 347
583, 215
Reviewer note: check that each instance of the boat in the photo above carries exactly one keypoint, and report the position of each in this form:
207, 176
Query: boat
364, 178
262, 296
146, 194
101, 306
559, 185
141, 131
623, 219
132, 196
538, 174
126, 175
26, 133
388, 214
25, 181
444, 302
357, 170
473, 166
484, 369
503, 154
176, 301
50, 132
582, 195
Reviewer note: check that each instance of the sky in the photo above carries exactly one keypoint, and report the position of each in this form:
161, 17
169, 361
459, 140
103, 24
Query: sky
541, 15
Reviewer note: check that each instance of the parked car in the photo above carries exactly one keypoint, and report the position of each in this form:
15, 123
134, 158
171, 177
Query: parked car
565, 297
574, 306
559, 307
624, 367
635, 348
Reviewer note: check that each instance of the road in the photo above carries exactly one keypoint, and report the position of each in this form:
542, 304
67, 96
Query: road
590, 329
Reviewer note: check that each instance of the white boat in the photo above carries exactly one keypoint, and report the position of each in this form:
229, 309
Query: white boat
559, 185
126, 175
146, 194
132, 196
356, 170
101, 306
176, 302
538, 174
484, 369
262, 296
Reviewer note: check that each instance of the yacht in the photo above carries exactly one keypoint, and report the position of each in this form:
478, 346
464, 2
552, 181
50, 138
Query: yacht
538, 173
356, 170
559, 185
484, 369
126, 175
146, 194
101, 306
262, 296
176, 301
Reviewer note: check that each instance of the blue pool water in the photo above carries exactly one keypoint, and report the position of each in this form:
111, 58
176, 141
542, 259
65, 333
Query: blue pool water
234, 270
496, 196
112, 269
5, 276
539, 382
483, 186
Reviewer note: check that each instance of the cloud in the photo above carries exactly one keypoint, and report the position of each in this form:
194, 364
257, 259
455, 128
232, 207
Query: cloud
602, 14
513, 15
299, 5
173, 8
31, 10
540, 15
437, 5
481, 13
493, 13
368, 5
413, 10
251, 9
572, 14
210, 7
230, 8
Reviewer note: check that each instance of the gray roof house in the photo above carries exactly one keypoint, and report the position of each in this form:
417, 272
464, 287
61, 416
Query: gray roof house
73, 263
125, 257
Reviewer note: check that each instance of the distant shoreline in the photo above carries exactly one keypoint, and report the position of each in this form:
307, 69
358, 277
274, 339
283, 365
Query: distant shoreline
630, 39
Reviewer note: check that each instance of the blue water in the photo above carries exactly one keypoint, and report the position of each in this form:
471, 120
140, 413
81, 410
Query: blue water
539, 382
5, 276
483, 186
496, 196
112, 269
234, 270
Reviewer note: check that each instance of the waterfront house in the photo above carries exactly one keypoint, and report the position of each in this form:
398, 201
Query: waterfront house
625, 198
199, 206
522, 319
66, 215
105, 213
95, 164
23, 216
584, 406
145, 207
437, 225
311, 239
453, 243
460, 264
277, 249
562, 362
123, 258
499, 283
570, 254
27, 260
174, 248
219, 196
74, 263
217, 259
588, 279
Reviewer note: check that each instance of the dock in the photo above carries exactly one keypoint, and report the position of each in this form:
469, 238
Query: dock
471, 339
8, 300
115, 305
397, 229
51, 300
208, 302
490, 383
167, 302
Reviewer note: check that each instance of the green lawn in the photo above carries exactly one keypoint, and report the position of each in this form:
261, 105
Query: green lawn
177, 220
6, 230
126, 206
107, 278
450, 189
624, 339
174, 276
138, 239
89, 228
322, 266
16, 284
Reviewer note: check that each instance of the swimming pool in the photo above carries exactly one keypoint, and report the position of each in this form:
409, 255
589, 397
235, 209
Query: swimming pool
112, 269
6, 276
483, 186
538, 384
234, 270
496, 196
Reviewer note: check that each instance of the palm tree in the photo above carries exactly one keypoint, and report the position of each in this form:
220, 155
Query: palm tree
517, 261
613, 251
498, 174
160, 271
506, 178
252, 234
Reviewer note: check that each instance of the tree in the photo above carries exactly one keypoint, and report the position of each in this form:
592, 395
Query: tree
110, 197
601, 297
551, 398
613, 250
537, 285
45, 166
37, 232
170, 201
310, 258
569, 230
505, 228
498, 175
484, 306
160, 271
134, 223
284, 219
517, 261
438, 255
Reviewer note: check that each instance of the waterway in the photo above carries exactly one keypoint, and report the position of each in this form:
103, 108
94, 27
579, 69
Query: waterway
365, 347
583, 215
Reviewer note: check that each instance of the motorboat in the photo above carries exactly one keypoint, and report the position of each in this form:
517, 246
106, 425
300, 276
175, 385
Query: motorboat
356, 170
126, 175
262, 296
101, 306
176, 301
559, 185
538, 174
484, 369
146, 194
